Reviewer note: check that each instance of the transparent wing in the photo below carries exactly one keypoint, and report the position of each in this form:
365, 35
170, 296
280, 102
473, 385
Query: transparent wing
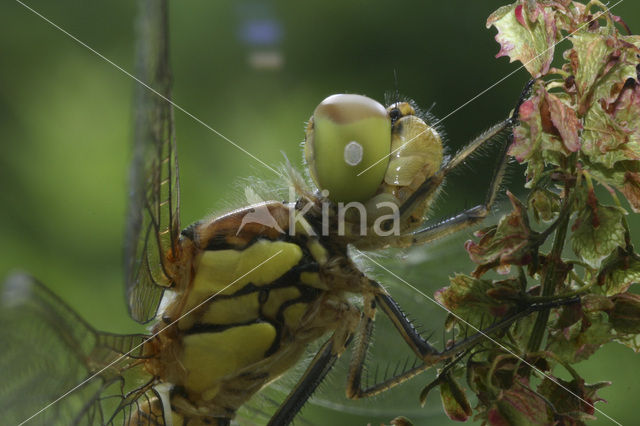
49, 350
153, 223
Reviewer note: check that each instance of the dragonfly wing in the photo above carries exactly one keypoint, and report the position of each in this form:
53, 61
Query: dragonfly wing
153, 223
50, 353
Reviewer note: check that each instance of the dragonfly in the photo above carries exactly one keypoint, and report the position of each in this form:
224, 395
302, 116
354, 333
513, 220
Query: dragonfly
236, 301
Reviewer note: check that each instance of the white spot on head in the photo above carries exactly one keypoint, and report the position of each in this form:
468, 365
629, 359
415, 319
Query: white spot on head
353, 153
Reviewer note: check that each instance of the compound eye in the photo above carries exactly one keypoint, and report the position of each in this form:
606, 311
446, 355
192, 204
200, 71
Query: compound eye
349, 134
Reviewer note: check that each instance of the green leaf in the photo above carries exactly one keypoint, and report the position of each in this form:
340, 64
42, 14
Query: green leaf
624, 175
612, 119
602, 61
522, 329
613, 176
579, 341
544, 204
525, 34
598, 230
587, 58
627, 114
604, 139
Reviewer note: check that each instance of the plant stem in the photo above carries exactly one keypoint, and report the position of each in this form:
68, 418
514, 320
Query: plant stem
553, 272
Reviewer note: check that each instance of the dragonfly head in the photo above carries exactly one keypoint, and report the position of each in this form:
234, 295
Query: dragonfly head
361, 154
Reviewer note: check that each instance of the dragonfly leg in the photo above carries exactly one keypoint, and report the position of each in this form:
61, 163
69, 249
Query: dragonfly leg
428, 353
355, 390
320, 365
420, 346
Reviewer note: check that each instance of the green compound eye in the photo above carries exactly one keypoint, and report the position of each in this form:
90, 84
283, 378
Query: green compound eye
346, 135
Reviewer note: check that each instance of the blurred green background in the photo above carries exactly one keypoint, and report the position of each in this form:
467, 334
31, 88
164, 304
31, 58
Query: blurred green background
253, 70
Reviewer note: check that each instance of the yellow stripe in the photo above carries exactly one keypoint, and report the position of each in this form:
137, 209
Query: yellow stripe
216, 269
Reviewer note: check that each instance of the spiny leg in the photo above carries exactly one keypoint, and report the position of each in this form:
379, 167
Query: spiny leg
468, 217
430, 354
358, 359
320, 365
420, 346
313, 376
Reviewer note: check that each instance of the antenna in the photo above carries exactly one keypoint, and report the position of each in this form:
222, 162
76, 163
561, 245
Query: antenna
396, 85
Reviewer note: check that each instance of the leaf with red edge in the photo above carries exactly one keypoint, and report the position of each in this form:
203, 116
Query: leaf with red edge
601, 62
454, 401
631, 190
565, 122
512, 242
548, 131
626, 111
579, 341
527, 135
588, 58
526, 34
401, 421
598, 230
604, 139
